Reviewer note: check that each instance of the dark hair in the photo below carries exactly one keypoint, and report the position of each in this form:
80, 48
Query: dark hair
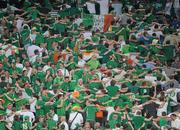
149, 126
123, 86
118, 125
107, 126
139, 113
171, 85
36, 52
3, 78
113, 82
168, 42
16, 118
125, 126
134, 82
164, 113
156, 26
126, 9
62, 126
173, 115
115, 107
154, 35
153, 128
27, 106
142, 128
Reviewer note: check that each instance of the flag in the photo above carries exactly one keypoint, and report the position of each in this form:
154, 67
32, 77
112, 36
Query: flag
91, 7
107, 22
98, 21
104, 6
102, 22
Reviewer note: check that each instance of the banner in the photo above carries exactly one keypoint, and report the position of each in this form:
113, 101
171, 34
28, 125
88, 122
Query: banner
98, 23
107, 22
102, 22
104, 6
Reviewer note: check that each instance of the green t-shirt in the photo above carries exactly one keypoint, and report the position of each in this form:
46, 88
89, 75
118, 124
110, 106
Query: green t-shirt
112, 90
17, 125
48, 85
138, 121
78, 74
58, 80
154, 49
3, 125
133, 89
150, 18
40, 112
90, 112
114, 119
95, 86
61, 111
39, 39
7, 101
36, 88
39, 126
94, 64
163, 122
29, 91
50, 124
33, 13
59, 27
26, 125
2, 112
49, 42
112, 64
65, 86
104, 99
126, 49
124, 32
20, 102
169, 51
143, 50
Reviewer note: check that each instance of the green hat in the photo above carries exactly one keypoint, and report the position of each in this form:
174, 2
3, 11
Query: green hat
76, 107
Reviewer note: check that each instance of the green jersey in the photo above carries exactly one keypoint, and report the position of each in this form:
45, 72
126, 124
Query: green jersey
90, 112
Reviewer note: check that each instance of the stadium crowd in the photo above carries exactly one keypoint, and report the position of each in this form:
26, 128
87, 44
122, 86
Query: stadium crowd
59, 73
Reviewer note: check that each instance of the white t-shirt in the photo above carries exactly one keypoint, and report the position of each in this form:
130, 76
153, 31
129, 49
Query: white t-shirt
162, 109
87, 35
31, 49
19, 65
45, 68
91, 7
33, 58
118, 8
81, 63
168, 8
176, 4
55, 117
19, 24
107, 81
64, 72
175, 123
33, 105
25, 95
77, 121
65, 125
78, 21
151, 78
33, 37
172, 94
110, 110
29, 114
